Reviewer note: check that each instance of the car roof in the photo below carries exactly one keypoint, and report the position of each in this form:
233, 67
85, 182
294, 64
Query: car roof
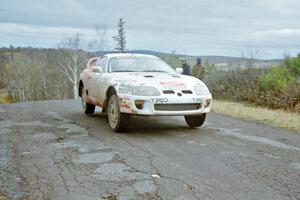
128, 55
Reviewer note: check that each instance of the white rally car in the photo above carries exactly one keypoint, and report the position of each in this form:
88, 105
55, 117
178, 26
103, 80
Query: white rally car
135, 84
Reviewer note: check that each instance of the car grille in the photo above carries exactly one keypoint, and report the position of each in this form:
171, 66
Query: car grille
177, 107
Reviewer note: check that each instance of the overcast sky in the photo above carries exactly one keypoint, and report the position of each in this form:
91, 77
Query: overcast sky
195, 27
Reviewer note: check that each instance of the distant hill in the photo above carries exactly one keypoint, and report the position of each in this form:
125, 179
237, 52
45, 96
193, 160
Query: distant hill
219, 61
229, 62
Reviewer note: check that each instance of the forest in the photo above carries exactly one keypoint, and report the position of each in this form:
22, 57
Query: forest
32, 74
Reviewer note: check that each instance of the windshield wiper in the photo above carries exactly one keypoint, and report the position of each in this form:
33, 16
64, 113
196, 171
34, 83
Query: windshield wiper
124, 70
154, 71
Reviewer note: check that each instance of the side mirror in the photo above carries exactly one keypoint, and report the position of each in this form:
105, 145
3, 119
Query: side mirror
97, 69
179, 70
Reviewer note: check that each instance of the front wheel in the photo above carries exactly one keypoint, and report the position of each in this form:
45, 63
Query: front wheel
118, 121
195, 120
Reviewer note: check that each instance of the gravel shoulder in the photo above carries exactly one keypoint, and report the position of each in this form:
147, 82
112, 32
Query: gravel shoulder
51, 150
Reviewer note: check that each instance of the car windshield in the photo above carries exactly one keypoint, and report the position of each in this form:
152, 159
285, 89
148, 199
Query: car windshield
139, 64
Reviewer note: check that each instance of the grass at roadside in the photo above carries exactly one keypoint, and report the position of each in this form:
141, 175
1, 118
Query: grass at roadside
277, 118
2, 197
4, 99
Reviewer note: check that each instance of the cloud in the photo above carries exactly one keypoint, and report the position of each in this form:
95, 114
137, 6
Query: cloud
191, 26
280, 33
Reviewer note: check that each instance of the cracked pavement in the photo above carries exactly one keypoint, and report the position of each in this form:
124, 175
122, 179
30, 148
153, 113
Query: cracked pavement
51, 150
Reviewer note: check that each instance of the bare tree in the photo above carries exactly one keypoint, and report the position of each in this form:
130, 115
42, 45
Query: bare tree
42, 75
71, 59
99, 43
120, 38
250, 56
19, 77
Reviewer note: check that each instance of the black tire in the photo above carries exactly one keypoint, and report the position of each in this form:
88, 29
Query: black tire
195, 120
118, 121
87, 107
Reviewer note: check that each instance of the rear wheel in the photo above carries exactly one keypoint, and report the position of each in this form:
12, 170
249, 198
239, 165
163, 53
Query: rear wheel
87, 107
118, 121
195, 120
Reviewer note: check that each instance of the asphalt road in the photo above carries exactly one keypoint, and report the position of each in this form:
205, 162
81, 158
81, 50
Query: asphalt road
51, 150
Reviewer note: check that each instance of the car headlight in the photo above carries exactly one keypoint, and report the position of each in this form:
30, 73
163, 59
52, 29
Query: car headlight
145, 91
201, 90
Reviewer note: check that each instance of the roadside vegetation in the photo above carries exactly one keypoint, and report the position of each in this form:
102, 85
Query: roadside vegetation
4, 98
30, 74
276, 87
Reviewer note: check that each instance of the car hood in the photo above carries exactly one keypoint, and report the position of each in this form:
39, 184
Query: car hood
162, 81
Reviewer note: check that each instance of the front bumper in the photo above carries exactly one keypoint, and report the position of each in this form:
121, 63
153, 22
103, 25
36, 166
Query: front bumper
165, 104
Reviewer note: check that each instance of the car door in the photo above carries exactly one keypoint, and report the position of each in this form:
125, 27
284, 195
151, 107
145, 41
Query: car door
89, 74
97, 79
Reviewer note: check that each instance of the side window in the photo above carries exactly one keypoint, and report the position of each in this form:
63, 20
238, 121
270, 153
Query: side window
102, 63
98, 63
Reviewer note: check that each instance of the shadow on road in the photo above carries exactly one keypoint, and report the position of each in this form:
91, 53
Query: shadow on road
153, 125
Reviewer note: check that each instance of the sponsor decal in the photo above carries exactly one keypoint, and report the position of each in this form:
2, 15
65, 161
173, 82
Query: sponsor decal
125, 88
198, 100
173, 85
126, 105
125, 102
119, 81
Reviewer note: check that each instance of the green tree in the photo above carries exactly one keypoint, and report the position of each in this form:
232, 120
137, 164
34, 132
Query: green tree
293, 64
120, 38
276, 79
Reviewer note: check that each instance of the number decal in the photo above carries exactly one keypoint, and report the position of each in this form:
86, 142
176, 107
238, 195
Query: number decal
160, 100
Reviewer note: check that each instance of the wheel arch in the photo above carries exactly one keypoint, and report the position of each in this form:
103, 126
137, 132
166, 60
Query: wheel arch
110, 91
